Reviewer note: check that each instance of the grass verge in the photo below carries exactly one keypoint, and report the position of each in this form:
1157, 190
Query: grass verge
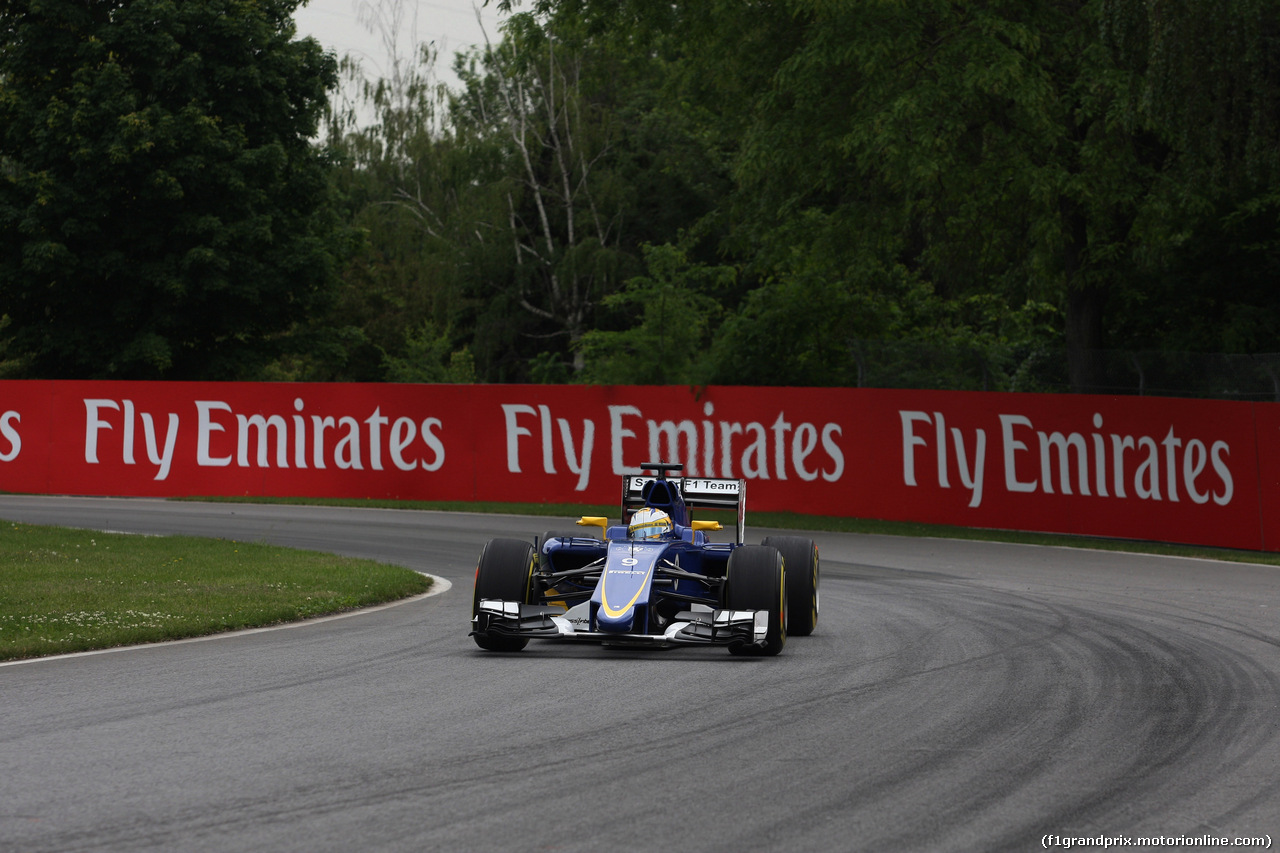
797, 521
75, 590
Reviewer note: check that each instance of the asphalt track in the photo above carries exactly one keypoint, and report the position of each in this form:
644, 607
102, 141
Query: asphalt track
956, 696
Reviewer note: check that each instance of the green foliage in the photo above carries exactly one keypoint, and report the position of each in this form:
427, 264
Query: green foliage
543, 94
428, 357
804, 192
419, 193
1008, 149
910, 155
549, 368
162, 212
878, 328
1203, 79
1214, 291
1200, 84
676, 306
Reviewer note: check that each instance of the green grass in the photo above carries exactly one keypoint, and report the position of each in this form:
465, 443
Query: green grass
797, 521
75, 590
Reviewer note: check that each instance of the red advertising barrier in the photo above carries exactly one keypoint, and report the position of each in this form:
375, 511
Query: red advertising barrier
1203, 472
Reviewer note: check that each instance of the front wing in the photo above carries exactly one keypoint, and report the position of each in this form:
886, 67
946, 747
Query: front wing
688, 628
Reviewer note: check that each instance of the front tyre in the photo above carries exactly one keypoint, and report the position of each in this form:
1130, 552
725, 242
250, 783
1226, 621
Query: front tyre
505, 572
800, 556
755, 580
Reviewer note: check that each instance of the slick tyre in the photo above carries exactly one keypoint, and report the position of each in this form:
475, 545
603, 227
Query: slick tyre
505, 571
800, 558
755, 580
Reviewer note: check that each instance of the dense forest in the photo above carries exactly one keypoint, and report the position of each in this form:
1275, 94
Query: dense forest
997, 194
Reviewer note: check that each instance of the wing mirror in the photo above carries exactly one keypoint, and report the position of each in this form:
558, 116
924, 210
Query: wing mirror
595, 521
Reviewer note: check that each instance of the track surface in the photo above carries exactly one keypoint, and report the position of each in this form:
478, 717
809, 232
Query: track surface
956, 696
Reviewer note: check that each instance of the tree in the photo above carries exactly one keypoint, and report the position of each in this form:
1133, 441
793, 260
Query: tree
419, 193
675, 307
162, 211
990, 181
1202, 82
1115, 158
950, 146
564, 218
483, 213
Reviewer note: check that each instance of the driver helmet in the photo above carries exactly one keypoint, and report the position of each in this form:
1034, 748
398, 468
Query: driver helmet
649, 523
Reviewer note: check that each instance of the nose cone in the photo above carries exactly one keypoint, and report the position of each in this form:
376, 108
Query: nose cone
621, 624
624, 585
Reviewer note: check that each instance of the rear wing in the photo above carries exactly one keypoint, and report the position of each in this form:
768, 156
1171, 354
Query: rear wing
697, 492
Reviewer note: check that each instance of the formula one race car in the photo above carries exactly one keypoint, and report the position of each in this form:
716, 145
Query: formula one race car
654, 580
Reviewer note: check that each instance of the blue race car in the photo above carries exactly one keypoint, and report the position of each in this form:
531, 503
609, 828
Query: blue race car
654, 580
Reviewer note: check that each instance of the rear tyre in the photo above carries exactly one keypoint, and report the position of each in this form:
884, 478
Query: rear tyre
505, 572
755, 580
800, 556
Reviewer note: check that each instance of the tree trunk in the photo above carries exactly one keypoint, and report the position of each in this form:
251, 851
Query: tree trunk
1085, 303
1086, 371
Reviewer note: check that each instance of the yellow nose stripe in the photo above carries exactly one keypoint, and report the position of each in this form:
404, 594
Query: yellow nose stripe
604, 597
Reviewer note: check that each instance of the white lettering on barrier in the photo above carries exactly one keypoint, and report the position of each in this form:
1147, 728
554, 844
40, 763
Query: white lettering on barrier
257, 435
347, 454
94, 423
755, 459
680, 440
433, 442
1072, 463
513, 433
970, 477
376, 422
582, 464
578, 461
694, 443
1012, 445
909, 441
403, 433
832, 450
206, 425
727, 432
802, 444
262, 426
669, 434
780, 429
618, 432
165, 459
10, 435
